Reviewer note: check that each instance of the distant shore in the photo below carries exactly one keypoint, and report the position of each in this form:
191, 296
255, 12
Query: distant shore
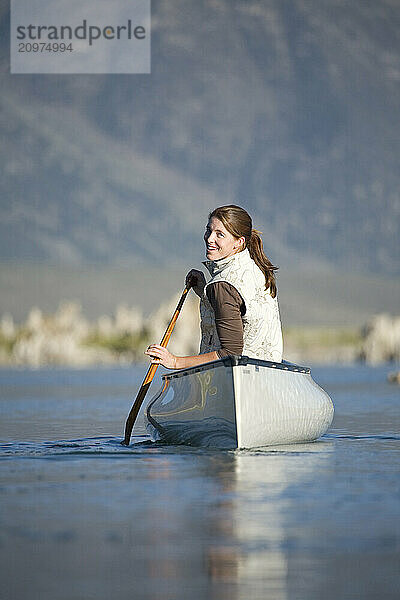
67, 338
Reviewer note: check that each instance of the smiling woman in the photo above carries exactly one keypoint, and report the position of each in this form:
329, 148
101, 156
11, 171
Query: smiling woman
239, 306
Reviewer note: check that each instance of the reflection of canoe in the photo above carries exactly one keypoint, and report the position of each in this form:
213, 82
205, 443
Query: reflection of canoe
240, 402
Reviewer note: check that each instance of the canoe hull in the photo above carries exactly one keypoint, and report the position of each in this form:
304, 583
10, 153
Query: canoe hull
239, 402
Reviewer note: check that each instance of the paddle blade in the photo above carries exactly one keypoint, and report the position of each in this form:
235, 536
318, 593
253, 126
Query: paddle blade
135, 411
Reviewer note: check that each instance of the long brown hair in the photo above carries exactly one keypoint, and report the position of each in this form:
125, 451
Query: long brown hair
239, 224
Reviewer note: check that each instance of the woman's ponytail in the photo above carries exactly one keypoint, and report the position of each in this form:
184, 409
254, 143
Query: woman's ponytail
256, 250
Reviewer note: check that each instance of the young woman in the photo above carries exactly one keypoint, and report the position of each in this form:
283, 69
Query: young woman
239, 306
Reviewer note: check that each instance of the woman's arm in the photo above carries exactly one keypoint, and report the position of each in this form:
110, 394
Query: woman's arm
162, 356
229, 308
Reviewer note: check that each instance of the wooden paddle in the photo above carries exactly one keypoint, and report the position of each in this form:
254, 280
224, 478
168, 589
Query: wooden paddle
151, 372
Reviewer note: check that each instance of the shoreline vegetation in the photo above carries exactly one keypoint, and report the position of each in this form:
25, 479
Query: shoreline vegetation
67, 338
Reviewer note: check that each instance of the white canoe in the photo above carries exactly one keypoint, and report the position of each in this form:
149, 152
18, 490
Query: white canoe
240, 402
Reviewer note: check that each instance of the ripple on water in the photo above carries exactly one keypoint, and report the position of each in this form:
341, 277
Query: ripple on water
97, 445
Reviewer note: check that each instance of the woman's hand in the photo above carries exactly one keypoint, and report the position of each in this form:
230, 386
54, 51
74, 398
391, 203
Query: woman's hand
196, 280
161, 356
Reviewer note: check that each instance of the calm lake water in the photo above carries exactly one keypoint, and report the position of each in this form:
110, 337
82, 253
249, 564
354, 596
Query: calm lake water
83, 517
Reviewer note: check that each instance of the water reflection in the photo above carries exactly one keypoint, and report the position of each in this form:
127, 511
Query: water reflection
250, 522
234, 531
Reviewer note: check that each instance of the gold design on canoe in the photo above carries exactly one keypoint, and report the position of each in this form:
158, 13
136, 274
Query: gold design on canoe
198, 403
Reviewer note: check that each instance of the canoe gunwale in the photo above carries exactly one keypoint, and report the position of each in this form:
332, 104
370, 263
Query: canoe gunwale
235, 361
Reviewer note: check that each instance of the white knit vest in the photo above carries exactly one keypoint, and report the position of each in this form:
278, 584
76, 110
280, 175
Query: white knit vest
262, 333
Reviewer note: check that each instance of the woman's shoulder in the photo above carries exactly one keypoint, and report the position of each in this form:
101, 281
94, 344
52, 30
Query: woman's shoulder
223, 292
221, 288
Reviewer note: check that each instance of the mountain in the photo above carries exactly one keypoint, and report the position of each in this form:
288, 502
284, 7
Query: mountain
288, 108
312, 298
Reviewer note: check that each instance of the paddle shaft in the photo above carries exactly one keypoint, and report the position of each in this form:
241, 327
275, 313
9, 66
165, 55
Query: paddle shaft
150, 373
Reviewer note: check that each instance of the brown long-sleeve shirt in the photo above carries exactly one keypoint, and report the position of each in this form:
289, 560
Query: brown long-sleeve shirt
229, 308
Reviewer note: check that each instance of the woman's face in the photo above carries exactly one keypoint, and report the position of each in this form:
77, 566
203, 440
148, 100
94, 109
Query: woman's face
219, 242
